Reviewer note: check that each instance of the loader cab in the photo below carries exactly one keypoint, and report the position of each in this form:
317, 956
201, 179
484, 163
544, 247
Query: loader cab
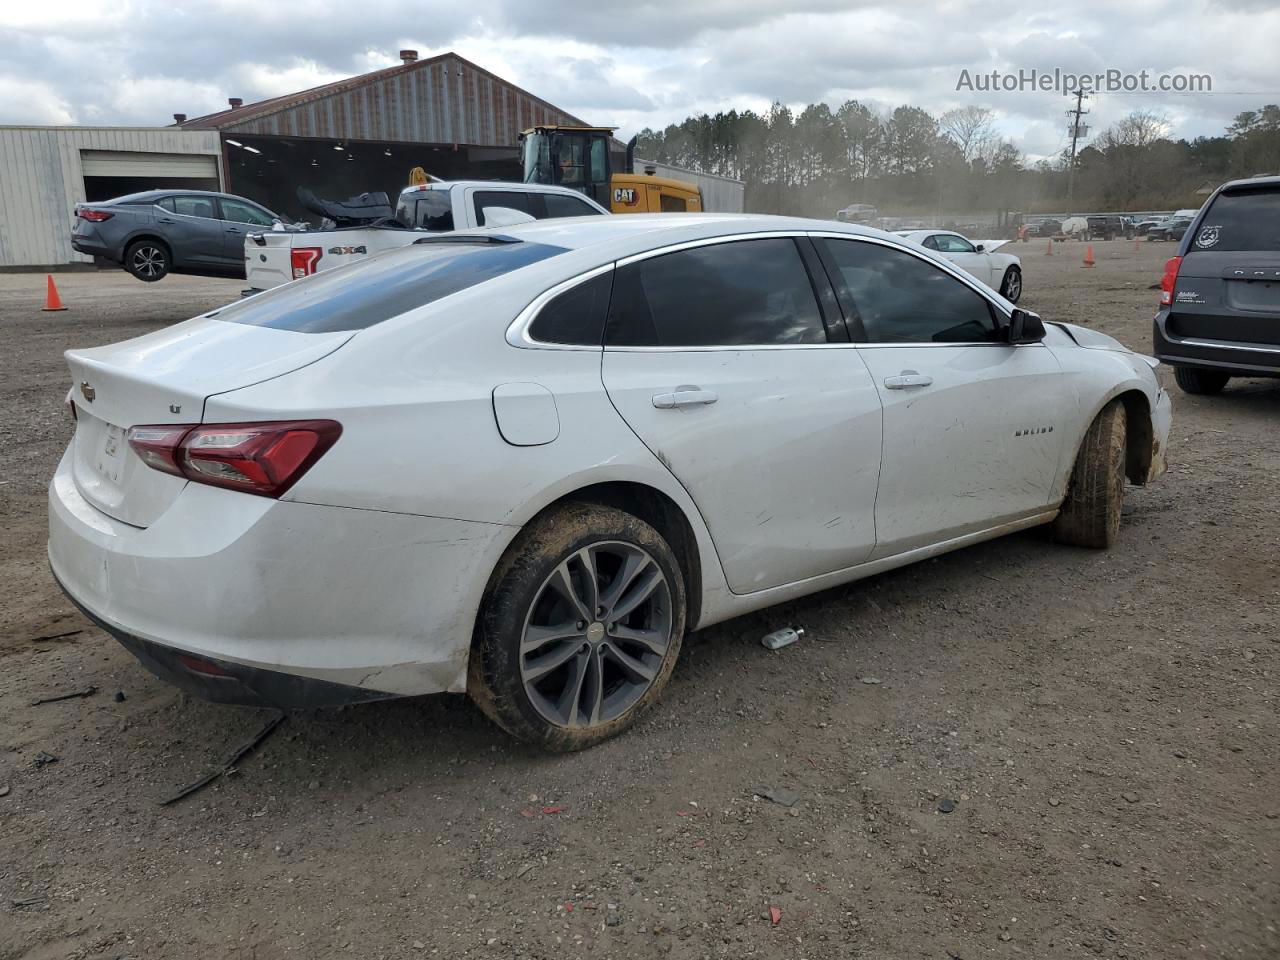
575, 157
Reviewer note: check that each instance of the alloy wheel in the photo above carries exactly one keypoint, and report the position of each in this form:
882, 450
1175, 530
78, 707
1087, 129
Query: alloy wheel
148, 261
596, 634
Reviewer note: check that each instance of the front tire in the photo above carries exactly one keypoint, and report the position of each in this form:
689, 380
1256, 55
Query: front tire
580, 629
1011, 285
1090, 515
148, 260
1193, 380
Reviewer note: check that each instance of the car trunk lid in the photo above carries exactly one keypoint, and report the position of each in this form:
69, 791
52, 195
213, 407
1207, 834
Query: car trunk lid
268, 257
165, 378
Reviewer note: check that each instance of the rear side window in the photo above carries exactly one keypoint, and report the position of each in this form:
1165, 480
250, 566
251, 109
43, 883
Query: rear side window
373, 290
1240, 220
576, 316
430, 210
901, 298
669, 204
165, 203
558, 205
510, 199
194, 207
741, 293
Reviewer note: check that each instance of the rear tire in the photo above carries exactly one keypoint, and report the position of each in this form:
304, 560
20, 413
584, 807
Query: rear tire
563, 656
148, 260
1193, 380
1090, 515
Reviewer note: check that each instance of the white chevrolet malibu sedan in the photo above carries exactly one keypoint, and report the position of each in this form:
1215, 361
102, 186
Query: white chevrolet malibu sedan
524, 464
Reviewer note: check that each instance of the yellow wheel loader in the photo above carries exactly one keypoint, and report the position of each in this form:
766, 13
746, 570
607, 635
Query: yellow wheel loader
584, 159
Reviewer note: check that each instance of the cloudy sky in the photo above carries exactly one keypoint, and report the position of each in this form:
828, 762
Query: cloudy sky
641, 63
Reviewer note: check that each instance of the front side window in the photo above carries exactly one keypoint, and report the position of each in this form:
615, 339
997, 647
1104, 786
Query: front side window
738, 293
902, 298
948, 243
194, 207
241, 212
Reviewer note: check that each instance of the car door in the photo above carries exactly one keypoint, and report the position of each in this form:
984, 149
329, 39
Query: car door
717, 354
973, 426
239, 219
964, 255
190, 225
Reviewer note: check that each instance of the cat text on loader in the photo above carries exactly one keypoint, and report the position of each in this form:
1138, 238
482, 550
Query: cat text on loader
581, 158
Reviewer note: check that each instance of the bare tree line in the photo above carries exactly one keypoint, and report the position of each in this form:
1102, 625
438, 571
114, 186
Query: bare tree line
910, 162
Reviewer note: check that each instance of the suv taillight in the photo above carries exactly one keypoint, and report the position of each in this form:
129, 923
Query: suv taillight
1169, 280
94, 216
261, 458
304, 260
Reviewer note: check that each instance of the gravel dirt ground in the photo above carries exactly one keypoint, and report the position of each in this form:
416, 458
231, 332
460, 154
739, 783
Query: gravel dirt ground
1101, 725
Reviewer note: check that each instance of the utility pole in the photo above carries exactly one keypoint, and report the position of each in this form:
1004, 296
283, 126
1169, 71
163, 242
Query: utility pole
1077, 132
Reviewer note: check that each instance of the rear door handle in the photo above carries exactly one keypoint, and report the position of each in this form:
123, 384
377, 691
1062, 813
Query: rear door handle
684, 397
908, 378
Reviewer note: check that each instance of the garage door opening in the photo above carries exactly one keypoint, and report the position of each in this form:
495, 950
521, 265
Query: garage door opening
97, 189
113, 173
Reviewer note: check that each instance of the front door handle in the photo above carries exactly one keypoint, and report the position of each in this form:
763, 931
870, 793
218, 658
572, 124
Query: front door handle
166, 220
684, 397
908, 378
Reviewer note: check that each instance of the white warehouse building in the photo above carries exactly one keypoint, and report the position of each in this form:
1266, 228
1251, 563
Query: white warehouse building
46, 171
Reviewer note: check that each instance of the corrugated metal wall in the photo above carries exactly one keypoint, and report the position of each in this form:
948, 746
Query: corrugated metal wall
448, 101
41, 181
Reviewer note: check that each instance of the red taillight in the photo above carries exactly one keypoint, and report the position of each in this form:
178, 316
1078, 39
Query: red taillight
94, 216
261, 458
304, 260
1169, 280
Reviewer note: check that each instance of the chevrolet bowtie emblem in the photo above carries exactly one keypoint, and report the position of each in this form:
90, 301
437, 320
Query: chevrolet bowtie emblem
87, 391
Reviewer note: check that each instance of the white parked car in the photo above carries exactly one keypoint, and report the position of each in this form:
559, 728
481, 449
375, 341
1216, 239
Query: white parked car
273, 257
999, 271
524, 463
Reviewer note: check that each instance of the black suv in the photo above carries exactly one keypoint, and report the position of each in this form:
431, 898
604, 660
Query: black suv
1220, 297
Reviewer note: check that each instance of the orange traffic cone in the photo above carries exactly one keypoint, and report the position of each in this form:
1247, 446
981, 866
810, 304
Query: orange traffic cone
1088, 256
52, 301
1048, 252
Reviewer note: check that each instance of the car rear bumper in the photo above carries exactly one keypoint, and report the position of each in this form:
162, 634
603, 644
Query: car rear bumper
1226, 356
92, 249
301, 604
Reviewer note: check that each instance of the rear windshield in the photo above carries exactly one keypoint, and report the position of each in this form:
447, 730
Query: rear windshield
1240, 220
362, 294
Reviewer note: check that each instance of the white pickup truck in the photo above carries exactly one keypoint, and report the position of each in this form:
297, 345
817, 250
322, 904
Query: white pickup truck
274, 257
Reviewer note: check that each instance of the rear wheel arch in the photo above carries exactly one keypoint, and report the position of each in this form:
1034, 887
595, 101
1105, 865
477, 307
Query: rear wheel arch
656, 509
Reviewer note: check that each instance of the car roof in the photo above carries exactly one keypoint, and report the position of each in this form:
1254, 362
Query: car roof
630, 233
160, 194
492, 185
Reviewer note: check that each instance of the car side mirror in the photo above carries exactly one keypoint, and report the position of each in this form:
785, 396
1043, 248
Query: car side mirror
980, 247
1024, 327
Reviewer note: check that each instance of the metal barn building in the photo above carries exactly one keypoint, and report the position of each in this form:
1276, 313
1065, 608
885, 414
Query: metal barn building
445, 114
366, 133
